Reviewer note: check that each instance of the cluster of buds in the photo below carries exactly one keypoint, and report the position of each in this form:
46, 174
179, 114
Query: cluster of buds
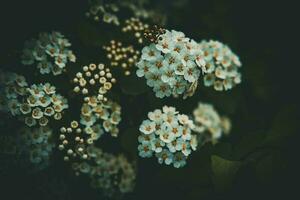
137, 27
73, 141
94, 80
152, 34
121, 56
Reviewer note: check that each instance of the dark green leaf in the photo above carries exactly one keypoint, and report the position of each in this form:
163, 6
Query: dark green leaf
223, 172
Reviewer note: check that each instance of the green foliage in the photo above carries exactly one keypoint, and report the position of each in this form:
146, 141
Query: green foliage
223, 172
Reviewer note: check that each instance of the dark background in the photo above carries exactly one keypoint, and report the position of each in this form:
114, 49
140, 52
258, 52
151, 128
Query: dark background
264, 109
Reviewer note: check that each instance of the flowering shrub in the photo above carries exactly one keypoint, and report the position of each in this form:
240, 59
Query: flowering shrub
172, 64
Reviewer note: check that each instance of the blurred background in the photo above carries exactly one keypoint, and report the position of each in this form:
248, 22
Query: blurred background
258, 160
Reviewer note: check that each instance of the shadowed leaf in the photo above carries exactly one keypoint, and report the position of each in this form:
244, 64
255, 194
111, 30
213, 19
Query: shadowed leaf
223, 172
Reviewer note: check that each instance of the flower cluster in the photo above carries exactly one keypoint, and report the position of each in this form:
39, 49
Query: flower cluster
113, 174
172, 66
41, 103
222, 65
107, 12
137, 27
108, 114
34, 104
121, 56
74, 139
12, 88
94, 80
37, 144
209, 124
50, 52
168, 135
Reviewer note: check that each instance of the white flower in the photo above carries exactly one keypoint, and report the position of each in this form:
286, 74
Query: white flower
178, 36
186, 133
165, 44
150, 53
166, 136
143, 68
169, 110
155, 116
191, 73
184, 120
147, 127
200, 58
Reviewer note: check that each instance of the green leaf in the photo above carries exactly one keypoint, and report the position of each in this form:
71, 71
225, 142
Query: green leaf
223, 172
